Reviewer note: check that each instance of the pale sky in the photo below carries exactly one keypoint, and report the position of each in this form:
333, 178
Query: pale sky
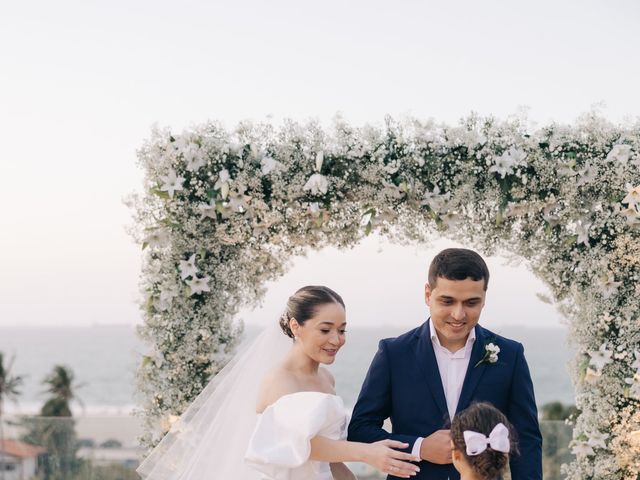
82, 82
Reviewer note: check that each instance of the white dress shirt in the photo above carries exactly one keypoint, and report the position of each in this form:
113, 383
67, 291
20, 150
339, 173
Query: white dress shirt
453, 368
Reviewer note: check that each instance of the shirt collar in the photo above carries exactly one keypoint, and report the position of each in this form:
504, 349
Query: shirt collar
434, 336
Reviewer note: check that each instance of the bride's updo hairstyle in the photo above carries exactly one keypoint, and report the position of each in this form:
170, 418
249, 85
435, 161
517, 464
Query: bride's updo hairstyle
304, 304
482, 417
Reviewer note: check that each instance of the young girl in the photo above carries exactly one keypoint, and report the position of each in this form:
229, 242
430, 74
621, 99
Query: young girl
481, 440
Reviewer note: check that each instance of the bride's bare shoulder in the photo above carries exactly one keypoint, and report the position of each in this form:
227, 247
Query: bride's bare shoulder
328, 376
277, 383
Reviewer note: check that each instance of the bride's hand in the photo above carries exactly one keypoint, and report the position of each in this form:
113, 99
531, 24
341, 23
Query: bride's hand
383, 456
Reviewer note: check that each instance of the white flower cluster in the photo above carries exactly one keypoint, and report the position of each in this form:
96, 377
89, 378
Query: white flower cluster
632, 211
634, 381
223, 211
492, 352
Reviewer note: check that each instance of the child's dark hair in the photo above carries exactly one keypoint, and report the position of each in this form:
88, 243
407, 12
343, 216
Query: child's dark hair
304, 304
482, 417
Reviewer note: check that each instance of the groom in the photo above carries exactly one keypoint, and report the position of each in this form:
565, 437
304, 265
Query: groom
421, 379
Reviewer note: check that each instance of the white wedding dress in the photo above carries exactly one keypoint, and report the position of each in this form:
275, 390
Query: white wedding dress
220, 436
281, 442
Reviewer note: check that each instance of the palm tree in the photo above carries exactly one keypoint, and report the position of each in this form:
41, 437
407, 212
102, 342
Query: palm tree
61, 388
9, 390
57, 434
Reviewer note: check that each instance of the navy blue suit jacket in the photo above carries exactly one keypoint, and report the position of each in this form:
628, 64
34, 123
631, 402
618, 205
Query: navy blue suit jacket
403, 384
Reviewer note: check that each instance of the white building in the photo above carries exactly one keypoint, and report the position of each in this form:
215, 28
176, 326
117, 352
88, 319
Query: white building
19, 460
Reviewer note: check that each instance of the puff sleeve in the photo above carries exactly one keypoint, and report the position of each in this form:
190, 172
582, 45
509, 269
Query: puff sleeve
281, 440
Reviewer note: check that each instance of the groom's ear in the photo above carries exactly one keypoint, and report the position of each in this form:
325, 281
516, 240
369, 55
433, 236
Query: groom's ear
427, 293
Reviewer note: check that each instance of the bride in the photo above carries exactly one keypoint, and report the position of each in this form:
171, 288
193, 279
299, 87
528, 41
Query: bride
272, 412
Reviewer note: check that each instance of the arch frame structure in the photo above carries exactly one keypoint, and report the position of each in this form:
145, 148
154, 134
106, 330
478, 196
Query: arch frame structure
224, 210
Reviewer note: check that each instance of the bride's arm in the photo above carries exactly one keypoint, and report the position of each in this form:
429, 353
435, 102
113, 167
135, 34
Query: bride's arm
341, 472
381, 455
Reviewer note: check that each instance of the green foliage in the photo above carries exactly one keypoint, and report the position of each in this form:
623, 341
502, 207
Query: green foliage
106, 472
9, 389
9, 384
56, 407
58, 437
558, 411
54, 429
60, 385
111, 443
556, 437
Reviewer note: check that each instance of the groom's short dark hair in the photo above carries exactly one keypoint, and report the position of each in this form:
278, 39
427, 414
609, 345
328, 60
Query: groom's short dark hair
458, 264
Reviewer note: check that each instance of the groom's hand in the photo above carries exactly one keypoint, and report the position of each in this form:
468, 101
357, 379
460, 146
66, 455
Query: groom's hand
436, 448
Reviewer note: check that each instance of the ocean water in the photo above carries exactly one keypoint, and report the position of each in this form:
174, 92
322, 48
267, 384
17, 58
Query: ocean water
104, 360
546, 352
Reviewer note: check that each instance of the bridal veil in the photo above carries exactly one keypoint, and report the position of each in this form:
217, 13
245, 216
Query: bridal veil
210, 438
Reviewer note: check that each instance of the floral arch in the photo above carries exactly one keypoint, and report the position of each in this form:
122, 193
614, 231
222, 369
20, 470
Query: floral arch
223, 211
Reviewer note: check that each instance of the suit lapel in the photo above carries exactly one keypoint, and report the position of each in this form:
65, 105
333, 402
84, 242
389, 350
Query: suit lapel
426, 361
473, 375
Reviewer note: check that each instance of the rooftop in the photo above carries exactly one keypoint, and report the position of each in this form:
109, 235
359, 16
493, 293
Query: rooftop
16, 448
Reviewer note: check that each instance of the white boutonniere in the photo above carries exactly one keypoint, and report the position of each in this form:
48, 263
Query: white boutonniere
491, 351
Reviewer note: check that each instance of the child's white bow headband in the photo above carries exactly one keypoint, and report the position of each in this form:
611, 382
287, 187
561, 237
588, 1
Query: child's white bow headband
498, 440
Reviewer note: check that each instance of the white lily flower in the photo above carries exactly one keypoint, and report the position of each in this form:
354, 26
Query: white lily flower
236, 148
586, 175
392, 167
208, 209
366, 218
188, 267
166, 298
172, 183
238, 201
609, 285
600, 357
632, 215
314, 209
620, 153
191, 154
582, 449
199, 285
597, 439
634, 391
516, 209
636, 364
223, 183
592, 376
583, 232
317, 183
268, 165
633, 196
435, 200
319, 161
566, 170
157, 358
451, 219
157, 237
508, 161
195, 163
224, 176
